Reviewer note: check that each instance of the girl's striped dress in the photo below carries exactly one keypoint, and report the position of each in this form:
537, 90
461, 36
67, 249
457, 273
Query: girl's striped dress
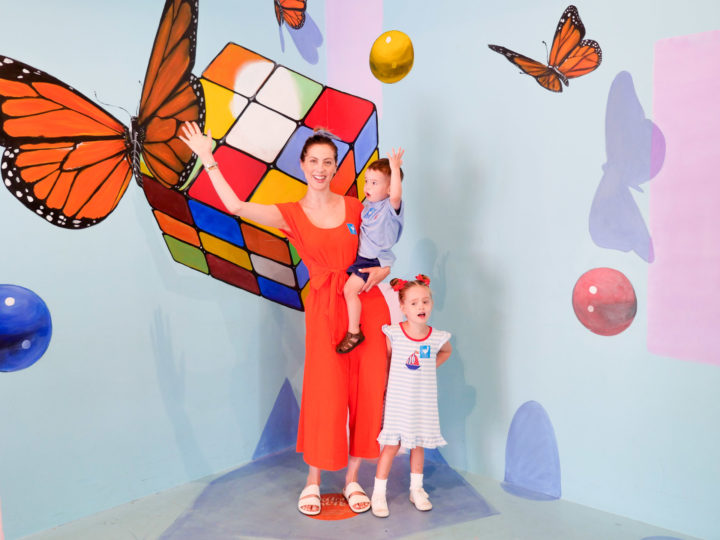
411, 411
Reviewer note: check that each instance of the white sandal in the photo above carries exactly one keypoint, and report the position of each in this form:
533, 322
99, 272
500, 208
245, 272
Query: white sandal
313, 490
420, 499
353, 498
380, 505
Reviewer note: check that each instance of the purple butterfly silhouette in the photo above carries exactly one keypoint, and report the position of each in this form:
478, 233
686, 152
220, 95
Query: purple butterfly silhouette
635, 149
307, 39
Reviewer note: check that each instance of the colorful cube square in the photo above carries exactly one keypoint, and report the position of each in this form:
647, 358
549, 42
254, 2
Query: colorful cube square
260, 132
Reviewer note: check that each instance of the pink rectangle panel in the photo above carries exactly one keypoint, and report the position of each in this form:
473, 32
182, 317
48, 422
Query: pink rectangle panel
351, 27
684, 280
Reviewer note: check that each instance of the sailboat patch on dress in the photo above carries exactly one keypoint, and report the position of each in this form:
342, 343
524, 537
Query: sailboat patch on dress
413, 362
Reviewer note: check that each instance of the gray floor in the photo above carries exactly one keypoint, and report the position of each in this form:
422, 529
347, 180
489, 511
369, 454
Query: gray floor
517, 519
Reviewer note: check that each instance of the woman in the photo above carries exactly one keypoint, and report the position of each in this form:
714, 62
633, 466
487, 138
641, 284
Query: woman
338, 390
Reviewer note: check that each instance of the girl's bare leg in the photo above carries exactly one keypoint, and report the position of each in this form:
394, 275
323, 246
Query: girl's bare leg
417, 460
379, 498
384, 465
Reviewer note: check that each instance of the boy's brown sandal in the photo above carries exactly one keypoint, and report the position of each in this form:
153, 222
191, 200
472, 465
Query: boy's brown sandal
349, 342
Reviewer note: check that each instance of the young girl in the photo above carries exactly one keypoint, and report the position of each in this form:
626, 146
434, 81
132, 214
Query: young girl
411, 413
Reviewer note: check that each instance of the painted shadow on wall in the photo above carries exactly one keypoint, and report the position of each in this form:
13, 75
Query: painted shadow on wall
532, 462
308, 39
635, 149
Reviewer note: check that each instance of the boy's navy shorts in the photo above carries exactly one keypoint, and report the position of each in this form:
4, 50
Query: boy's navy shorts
361, 263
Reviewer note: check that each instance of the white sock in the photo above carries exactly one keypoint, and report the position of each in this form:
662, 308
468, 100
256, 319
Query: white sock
416, 481
380, 486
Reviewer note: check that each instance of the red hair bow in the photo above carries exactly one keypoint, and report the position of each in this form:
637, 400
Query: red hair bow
422, 278
399, 284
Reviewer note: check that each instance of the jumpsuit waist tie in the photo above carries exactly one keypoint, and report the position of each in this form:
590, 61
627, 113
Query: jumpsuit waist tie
334, 279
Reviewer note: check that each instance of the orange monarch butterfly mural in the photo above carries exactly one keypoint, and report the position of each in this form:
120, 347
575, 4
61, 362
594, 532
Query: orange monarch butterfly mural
570, 55
69, 161
291, 11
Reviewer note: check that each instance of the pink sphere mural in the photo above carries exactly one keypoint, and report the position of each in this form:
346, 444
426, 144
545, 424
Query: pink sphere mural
604, 301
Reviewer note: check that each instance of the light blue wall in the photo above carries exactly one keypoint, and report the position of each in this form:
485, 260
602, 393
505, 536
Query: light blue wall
500, 178
157, 375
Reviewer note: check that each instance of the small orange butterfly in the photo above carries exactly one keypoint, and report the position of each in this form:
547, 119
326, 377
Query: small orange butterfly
570, 56
291, 11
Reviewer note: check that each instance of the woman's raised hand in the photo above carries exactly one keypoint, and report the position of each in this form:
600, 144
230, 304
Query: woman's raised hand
199, 143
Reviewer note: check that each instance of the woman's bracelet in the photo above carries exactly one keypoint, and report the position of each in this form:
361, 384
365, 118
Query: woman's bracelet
212, 166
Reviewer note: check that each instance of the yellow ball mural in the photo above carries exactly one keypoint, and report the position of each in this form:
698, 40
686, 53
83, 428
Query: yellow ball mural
391, 56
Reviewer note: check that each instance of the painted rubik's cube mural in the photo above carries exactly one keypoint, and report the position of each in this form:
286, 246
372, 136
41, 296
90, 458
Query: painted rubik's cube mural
260, 114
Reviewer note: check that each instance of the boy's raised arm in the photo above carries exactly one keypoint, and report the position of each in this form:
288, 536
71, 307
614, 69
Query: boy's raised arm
395, 161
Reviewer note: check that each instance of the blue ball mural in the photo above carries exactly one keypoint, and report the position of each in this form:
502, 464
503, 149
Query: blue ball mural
25, 327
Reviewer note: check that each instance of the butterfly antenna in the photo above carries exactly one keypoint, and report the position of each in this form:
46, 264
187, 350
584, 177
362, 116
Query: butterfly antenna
111, 105
547, 52
137, 111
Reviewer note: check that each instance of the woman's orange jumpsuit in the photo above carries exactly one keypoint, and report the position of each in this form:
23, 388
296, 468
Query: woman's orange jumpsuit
335, 385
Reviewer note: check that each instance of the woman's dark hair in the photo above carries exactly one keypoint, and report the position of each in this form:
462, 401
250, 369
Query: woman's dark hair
319, 137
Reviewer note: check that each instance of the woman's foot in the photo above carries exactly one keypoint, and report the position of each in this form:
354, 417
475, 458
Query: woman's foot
309, 501
356, 497
420, 499
349, 342
380, 505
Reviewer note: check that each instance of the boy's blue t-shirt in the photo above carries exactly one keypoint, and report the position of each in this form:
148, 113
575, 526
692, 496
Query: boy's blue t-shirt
380, 230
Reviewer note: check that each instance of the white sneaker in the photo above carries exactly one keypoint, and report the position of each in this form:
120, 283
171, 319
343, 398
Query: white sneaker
420, 499
380, 505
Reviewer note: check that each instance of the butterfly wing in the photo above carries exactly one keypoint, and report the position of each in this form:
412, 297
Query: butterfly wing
291, 11
546, 77
65, 158
583, 59
568, 34
171, 96
278, 12
570, 53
